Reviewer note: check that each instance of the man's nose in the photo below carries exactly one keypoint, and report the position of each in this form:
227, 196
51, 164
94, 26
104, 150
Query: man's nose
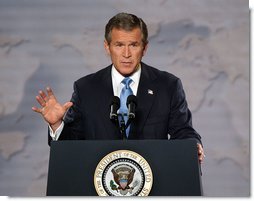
127, 52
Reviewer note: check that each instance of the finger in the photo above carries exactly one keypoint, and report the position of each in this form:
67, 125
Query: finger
67, 105
200, 151
201, 154
35, 109
200, 148
201, 158
50, 92
43, 96
40, 101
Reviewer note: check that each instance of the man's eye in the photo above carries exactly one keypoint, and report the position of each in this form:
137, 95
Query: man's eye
134, 45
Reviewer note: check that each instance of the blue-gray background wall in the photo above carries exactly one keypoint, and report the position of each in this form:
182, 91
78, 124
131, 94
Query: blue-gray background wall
54, 42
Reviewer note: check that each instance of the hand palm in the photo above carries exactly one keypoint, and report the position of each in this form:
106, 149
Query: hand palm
53, 111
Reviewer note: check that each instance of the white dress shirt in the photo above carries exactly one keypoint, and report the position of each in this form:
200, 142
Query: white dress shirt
117, 78
117, 88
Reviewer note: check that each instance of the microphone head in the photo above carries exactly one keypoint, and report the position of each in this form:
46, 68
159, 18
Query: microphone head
114, 106
131, 99
116, 101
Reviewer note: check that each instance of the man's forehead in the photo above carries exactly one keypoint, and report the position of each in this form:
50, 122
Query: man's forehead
129, 41
122, 35
135, 31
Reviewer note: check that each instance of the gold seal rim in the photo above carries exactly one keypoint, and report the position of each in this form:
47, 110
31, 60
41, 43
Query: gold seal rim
118, 152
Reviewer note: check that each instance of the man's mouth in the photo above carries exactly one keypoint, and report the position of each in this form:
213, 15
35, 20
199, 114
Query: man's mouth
126, 62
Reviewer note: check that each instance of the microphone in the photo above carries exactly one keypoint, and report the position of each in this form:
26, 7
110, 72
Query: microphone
114, 106
131, 105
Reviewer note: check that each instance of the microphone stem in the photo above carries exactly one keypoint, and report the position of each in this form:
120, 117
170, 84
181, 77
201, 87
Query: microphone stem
123, 127
128, 123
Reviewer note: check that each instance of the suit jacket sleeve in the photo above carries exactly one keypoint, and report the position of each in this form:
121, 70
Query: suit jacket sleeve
73, 127
180, 118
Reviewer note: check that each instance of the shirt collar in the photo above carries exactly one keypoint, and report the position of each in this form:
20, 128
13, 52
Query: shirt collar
118, 77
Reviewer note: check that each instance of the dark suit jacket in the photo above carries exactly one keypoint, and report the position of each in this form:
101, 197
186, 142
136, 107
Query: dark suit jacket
158, 114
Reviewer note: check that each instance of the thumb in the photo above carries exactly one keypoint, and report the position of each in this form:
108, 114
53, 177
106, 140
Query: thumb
67, 105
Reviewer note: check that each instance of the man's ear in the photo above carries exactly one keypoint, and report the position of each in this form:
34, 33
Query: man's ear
106, 46
145, 49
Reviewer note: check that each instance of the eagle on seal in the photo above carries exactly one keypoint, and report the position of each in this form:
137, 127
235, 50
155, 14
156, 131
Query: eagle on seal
123, 176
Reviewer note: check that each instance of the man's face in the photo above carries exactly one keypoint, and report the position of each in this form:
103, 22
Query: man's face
126, 50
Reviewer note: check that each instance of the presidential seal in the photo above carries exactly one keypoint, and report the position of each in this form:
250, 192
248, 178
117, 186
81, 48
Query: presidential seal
123, 173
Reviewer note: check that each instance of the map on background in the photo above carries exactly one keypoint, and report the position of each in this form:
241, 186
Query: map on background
54, 43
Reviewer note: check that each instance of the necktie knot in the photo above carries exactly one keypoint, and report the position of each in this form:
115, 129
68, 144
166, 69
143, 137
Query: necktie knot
127, 81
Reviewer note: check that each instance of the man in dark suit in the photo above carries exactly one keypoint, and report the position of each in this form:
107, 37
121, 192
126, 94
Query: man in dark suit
162, 110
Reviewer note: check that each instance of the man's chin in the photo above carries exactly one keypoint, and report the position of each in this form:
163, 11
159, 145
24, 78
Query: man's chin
127, 71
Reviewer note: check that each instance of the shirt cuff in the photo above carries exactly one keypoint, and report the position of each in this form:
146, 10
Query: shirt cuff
55, 135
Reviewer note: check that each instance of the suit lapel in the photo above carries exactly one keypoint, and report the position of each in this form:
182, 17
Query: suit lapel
107, 93
106, 86
145, 97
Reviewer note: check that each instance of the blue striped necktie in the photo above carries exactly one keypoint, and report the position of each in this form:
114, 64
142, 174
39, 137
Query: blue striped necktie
126, 91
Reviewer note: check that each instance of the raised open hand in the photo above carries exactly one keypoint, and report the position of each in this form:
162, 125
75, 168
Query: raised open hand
51, 110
